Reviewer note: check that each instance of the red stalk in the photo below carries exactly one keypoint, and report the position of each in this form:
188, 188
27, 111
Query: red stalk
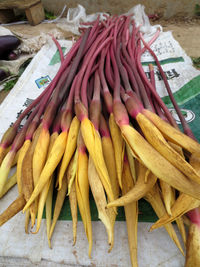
87, 69
122, 70
92, 35
116, 75
186, 128
51, 86
132, 43
135, 72
59, 48
154, 93
87, 58
95, 105
106, 93
20, 137
194, 215
157, 107
131, 76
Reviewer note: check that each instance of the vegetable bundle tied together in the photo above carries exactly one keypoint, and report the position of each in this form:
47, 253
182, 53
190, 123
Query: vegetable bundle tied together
101, 126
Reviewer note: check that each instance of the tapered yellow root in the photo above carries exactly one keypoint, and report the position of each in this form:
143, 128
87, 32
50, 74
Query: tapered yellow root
70, 148
159, 166
167, 194
39, 159
27, 173
172, 134
9, 184
82, 193
5, 169
49, 209
109, 156
92, 141
131, 213
156, 139
139, 190
52, 162
45, 189
3, 153
59, 203
118, 145
183, 204
192, 248
71, 174
100, 200
12, 210
154, 198
22, 154
27, 219
41, 203
131, 161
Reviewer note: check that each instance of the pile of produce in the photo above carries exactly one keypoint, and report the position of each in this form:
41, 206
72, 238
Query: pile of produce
100, 127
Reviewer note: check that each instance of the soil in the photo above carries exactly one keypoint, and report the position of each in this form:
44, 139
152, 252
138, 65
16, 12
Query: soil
185, 30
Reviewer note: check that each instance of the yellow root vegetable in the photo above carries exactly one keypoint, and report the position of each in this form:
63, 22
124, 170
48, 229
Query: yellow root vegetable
183, 204
171, 134
131, 213
159, 166
192, 249
41, 203
70, 148
131, 161
167, 194
58, 205
9, 184
3, 153
49, 209
39, 159
92, 141
109, 156
71, 174
118, 145
82, 191
156, 139
181, 226
12, 209
52, 162
139, 190
27, 219
40, 154
154, 198
27, 173
5, 169
100, 200
22, 154
44, 192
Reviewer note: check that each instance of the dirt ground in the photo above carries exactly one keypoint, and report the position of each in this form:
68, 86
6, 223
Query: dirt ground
185, 31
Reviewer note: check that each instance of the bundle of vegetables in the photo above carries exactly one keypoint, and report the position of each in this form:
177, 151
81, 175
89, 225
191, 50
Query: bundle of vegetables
100, 125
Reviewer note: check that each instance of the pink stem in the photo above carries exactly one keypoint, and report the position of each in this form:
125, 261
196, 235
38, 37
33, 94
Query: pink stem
59, 48
87, 70
88, 57
186, 128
